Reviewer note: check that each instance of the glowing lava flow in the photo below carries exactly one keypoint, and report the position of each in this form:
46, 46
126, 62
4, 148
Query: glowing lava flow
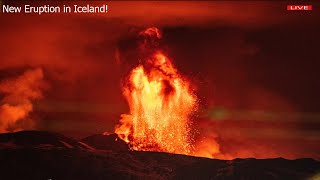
160, 102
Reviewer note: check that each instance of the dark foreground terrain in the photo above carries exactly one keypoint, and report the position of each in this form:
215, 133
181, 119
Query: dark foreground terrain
42, 155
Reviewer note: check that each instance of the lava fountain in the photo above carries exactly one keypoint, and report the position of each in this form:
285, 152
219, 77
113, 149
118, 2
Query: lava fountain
161, 103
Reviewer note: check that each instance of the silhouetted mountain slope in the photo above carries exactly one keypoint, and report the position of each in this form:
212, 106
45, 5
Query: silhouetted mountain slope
106, 142
39, 138
63, 163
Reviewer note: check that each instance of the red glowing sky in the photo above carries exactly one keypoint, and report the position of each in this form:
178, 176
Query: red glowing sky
255, 66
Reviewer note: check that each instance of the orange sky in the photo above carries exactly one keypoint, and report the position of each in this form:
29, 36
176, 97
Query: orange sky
240, 56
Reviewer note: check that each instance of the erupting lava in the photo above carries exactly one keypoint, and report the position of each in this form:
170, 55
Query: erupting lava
161, 102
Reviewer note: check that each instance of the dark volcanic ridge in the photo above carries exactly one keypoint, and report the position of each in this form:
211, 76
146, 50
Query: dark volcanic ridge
106, 142
39, 139
44, 155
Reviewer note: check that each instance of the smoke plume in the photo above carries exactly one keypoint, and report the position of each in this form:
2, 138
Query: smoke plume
18, 95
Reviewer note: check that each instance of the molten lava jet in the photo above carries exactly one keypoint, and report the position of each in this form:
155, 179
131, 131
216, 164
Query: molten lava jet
161, 103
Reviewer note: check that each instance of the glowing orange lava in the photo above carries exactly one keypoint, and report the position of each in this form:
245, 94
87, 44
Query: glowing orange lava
161, 102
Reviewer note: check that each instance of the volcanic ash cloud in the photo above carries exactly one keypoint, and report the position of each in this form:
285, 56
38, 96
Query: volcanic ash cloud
17, 96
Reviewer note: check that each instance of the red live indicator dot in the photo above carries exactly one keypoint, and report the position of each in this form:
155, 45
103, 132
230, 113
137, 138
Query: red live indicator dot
299, 7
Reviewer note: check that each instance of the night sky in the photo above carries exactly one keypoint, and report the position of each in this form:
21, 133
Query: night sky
254, 64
